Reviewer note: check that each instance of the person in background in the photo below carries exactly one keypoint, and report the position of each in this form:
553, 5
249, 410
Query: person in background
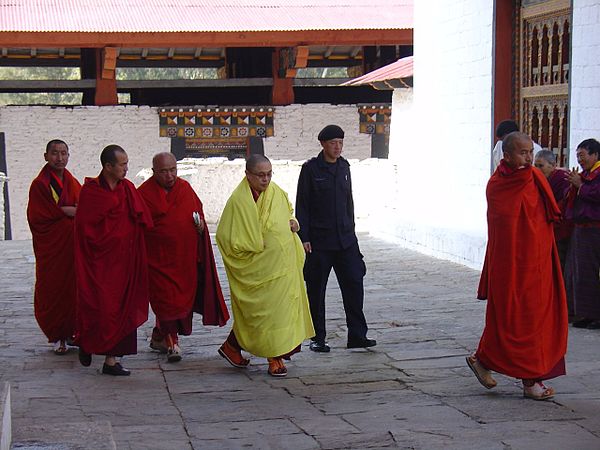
182, 271
53, 198
111, 268
325, 210
583, 208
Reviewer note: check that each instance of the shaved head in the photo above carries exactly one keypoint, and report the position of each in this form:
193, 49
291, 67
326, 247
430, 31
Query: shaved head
162, 158
518, 150
509, 143
254, 160
164, 168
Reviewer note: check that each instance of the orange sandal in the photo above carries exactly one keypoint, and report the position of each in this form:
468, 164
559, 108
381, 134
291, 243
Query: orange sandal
276, 367
233, 356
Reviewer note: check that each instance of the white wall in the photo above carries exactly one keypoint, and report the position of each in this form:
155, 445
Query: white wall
214, 179
584, 121
89, 129
441, 145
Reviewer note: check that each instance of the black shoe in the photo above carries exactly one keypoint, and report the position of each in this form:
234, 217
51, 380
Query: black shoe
583, 323
117, 370
361, 343
594, 325
319, 347
85, 358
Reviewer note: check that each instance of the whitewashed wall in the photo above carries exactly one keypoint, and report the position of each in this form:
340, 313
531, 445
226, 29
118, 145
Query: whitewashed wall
441, 145
585, 74
214, 179
89, 129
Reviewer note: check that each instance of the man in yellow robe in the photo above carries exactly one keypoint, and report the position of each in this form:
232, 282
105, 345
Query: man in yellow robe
263, 258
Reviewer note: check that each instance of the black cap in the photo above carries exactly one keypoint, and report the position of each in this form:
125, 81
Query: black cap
331, 132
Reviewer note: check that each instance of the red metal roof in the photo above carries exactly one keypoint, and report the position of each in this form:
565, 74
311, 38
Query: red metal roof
141, 16
403, 68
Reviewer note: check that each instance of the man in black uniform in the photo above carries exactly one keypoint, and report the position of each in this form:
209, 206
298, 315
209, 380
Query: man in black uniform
325, 210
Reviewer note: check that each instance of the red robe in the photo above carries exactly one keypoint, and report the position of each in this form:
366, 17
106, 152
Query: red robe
525, 333
52, 232
110, 264
183, 275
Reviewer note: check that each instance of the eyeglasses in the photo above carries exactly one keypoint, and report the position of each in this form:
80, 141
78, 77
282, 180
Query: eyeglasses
262, 174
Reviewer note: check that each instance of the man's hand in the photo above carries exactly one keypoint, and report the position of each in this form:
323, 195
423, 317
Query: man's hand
69, 210
307, 247
294, 226
574, 178
200, 226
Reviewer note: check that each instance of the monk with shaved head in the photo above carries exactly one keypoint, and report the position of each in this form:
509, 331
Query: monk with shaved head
525, 334
110, 264
182, 273
53, 199
263, 257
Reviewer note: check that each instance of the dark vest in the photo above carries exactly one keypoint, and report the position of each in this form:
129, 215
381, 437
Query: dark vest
324, 204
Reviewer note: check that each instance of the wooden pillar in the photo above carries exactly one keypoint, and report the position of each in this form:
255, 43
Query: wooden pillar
106, 80
503, 63
100, 64
282, 92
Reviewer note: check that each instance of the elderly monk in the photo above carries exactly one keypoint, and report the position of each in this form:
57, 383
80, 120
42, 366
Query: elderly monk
53, 198
525, 334
182, 271
545, 161
263, 258
110, 264
583, 207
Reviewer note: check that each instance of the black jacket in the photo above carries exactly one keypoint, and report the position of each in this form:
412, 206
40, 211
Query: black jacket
324, 205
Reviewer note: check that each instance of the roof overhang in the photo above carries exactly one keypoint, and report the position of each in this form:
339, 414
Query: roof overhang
203, 39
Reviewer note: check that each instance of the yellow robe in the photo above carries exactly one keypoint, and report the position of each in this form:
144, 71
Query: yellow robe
264, 262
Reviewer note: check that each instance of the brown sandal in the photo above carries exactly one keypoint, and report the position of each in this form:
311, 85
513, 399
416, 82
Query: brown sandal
483, 375
233, 356
276, 367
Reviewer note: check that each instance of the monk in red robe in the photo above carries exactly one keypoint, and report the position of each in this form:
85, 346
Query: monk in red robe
182, 271
525, 334
111, 267
53, 199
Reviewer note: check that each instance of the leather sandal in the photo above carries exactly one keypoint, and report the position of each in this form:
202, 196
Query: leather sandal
538, 391
483, 375
233, 356
276, 367
60, 348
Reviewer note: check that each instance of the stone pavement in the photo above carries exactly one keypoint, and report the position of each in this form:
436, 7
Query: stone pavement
413, 390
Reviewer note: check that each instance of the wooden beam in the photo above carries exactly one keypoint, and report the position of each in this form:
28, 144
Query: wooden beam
109, 63
106, 88
205, 39
205, 83
43, 85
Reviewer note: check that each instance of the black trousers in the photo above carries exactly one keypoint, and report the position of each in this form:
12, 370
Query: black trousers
350, 270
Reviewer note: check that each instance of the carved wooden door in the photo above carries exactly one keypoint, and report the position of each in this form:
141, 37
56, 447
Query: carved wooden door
542, 69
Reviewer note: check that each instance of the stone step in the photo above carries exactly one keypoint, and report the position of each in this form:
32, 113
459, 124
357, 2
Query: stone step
66, 436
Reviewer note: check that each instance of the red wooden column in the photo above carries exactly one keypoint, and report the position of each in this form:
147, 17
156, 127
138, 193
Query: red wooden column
503, 63
282, 92
106, 82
